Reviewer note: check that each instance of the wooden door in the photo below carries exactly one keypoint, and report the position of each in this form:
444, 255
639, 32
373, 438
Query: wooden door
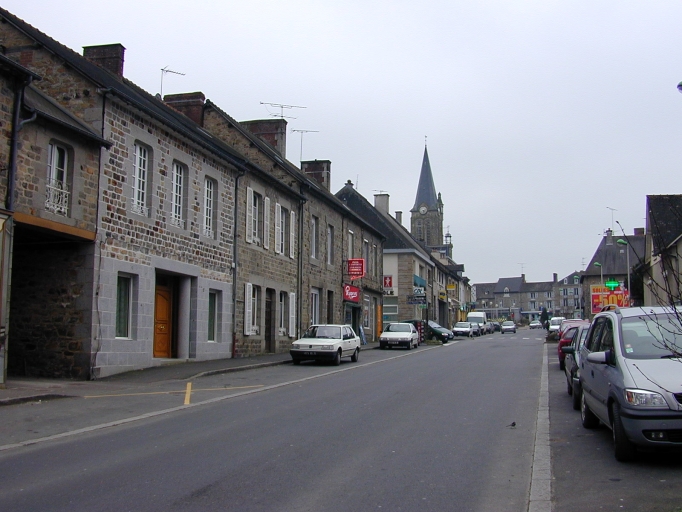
163, 325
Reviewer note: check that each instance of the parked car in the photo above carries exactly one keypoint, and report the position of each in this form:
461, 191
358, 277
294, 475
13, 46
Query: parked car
496, 326
475, 329
508, 326
434, 331
565, 338
399, 334
553, 329
535, 324
630, 378
326, 342
463, 329
572, 363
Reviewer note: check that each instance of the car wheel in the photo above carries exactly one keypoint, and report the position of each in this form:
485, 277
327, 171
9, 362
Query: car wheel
587, 417
337, 358
355, 356
409, 345
382, 346
576, 397
569, 387
624, 450
296, 361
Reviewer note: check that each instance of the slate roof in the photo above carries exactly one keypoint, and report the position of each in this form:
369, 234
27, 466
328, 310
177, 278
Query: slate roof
396, 236
614, 263
426, 190
664, 220
48, 109
514, 284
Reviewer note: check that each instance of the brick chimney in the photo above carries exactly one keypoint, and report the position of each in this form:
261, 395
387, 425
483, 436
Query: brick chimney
272, 131
319, 170
554, 277
107, 56
399, 217
190, 104
381, 202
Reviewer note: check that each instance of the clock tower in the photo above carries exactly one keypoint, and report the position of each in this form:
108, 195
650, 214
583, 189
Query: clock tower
426, 222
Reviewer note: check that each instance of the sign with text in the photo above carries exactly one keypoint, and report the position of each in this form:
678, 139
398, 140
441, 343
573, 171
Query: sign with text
356, 268
351, 293
412, 299
601, 296
418, 291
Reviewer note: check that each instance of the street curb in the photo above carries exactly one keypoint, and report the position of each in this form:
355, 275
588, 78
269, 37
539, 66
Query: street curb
237, 369
33, 398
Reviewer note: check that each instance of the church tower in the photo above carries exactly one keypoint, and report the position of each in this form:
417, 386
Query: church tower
426, 223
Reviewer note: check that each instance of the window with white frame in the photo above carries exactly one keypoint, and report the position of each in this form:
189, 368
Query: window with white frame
254, 216
566, 302
576, 279
178, 186
314, 235
576, 303
533, 305
330, 244
209, 213
506, 291
57, 187
375, 261
315, 305
292, 315
533, 295
124, 288
292, 234
549, 304
141, 173
575, 291
365, 311
251, 309
283, 312
282, 235
365, 251
351, 244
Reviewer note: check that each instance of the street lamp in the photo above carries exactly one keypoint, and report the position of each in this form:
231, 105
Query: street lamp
601, 271
620, 241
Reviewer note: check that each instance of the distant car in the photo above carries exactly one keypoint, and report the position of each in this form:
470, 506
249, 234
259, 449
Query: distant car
475, 329
572, 364
399, 334
439, 328
553, 329
535, 324
508, 326
326, 342
496, 326
463, 329
566, 337
433, 331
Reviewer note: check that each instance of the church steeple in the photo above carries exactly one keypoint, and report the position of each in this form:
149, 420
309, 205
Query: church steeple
426, 223
426, 191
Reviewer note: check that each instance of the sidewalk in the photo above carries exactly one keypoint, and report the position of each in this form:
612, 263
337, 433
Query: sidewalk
27, 389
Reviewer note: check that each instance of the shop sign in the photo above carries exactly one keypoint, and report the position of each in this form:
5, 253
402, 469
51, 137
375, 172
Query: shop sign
351, 293
413, 299
601, 296
442, 295
388, 282
356, 268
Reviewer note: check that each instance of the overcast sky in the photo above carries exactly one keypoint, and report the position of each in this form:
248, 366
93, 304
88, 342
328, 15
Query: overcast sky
540, 115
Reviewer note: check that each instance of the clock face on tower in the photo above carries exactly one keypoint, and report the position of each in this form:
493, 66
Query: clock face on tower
422, 210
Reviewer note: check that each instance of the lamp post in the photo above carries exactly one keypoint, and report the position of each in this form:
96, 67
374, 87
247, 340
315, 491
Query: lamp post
620, 241
601, 271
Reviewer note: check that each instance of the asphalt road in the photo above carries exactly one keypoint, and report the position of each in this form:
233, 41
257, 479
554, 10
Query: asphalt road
426, 430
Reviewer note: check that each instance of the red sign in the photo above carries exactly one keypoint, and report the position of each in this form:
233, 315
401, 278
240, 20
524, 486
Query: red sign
602, 296
351, 293
388, 281
356, 268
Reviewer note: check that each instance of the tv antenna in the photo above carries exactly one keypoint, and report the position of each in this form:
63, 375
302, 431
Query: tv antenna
302, 132
163, 72
281, 108
612, 210
522, 265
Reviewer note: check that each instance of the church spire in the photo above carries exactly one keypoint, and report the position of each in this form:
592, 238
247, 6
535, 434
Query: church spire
426, 191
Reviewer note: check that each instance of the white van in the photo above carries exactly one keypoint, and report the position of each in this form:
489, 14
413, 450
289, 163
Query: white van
480, 318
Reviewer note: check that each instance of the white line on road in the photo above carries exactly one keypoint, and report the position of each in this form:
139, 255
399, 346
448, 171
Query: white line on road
540, 499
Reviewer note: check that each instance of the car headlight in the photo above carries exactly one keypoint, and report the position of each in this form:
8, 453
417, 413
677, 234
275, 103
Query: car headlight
295, 347
641, 398
327, 347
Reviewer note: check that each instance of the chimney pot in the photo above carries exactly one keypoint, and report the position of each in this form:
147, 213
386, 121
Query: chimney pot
318, 170
381, 203
399, 217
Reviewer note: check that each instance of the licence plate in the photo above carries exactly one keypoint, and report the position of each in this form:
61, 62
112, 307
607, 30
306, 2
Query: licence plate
309, 353
393, 342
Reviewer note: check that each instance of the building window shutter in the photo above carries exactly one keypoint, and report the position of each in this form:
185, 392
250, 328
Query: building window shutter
249, 215
278, 228
266, 224
248, 291
292, 235
292, 315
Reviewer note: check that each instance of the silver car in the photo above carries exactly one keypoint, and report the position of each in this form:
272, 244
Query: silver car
631, 378
399, 334
463, 329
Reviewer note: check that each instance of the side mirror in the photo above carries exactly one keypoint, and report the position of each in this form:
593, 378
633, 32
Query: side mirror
568, 350
597, 357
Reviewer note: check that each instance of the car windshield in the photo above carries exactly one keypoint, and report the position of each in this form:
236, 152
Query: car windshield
434, 325
556, 321
398, 328
463, 324
507, 323
330, 332
651, 337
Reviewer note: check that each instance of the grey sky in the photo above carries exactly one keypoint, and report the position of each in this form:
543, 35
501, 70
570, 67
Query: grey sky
539, 114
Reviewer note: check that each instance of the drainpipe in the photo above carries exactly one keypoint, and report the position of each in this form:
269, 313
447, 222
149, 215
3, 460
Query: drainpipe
299, 284
235, 260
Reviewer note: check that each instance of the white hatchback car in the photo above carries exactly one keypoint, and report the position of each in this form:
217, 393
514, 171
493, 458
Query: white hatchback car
326, 342
399, 334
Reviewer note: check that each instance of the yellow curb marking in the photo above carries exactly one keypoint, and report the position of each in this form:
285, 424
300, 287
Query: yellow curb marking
188, 393
172, 392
